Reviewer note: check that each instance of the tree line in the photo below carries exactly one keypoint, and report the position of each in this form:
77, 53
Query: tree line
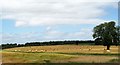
77, 42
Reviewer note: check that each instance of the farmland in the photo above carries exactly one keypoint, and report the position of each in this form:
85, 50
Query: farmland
60, 54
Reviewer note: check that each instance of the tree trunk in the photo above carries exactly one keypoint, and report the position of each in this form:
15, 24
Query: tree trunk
108, 47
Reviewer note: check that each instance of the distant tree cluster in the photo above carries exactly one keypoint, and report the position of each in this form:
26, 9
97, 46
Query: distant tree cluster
77, 42
5, 46
58, 43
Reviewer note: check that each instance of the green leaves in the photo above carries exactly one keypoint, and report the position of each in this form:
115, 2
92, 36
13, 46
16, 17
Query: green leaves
107, 32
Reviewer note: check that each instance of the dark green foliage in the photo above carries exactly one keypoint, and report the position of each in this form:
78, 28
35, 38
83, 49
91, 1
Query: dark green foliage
98, 41
75, 42
106, 34
4, 46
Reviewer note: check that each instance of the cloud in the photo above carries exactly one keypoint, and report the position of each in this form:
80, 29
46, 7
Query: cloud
49, 28
20, 23
20, 37
47, 35
54, 12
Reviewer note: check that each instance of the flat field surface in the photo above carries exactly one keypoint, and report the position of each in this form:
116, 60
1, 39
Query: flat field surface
60, 54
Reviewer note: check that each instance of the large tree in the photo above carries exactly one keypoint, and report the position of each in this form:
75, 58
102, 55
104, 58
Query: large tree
107, 33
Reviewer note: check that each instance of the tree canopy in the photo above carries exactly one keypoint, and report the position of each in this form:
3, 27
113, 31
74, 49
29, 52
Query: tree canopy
106, 33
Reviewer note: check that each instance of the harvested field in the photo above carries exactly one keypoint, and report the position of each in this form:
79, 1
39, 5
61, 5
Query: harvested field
59, 54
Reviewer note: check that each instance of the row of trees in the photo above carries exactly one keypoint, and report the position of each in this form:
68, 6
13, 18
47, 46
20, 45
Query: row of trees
77, 42
5, 46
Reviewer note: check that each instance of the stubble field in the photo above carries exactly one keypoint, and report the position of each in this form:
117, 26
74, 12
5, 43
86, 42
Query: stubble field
60, 54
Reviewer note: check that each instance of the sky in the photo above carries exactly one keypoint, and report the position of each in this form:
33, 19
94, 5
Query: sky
44, 20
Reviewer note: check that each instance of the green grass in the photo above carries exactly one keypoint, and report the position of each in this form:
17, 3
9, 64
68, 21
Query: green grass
18, 57
115, 60
55, 64
36, 57
60, 54
96, 54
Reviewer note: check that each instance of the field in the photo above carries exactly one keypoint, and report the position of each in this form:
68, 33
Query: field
60, 54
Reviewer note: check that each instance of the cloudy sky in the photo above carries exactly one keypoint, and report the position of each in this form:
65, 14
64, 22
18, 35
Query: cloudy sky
43, 20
